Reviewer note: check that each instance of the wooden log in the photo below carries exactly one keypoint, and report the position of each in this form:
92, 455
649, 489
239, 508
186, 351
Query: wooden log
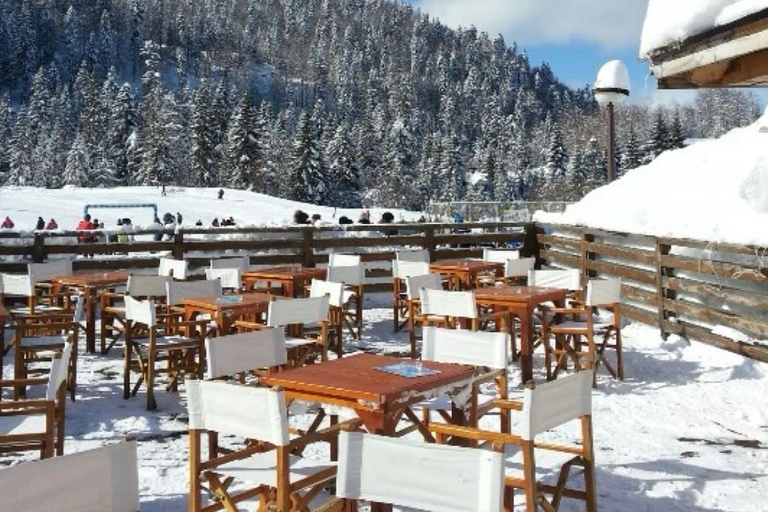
704, 335
639, 314
623, 272
479, 238
549, 257
749, 250
633, 254
574, 244
755, 328
635, 294
727, 270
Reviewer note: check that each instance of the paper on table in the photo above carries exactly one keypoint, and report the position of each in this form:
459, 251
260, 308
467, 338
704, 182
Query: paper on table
409, 370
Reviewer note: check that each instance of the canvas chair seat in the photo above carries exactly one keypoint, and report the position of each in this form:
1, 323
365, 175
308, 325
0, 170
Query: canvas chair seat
548, 462
42, 341
163, 341
298, 342
261, 468
575, 325
443, 402
22, 424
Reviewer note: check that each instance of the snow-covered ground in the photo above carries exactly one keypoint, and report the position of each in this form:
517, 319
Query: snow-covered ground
672, 21
686, 430
25, 204
715, 190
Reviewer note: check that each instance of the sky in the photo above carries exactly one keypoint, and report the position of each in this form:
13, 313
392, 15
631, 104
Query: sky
576, 37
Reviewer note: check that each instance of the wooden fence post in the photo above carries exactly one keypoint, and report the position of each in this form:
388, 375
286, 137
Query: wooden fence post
586, 256
531, 248
307, 251
178, 245
662, 292
39, 250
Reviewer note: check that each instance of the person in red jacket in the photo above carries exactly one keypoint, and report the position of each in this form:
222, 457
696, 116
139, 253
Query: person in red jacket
7, 224
52, 225
85, 224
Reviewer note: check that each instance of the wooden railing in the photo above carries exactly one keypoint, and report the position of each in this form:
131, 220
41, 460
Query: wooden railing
713, 293
308, 246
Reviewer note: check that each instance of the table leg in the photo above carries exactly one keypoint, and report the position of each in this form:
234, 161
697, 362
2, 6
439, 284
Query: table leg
90, 320
526, 345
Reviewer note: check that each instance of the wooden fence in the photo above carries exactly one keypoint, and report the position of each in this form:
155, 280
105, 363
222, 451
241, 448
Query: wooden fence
308, 246
713, 293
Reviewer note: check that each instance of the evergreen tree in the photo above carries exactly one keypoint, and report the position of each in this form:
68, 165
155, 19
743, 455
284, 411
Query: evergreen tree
631, 156
345, 175
307, 182
657, 140
78, 169
203, 143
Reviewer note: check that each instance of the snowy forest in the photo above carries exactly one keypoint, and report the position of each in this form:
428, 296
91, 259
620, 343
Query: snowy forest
334, 102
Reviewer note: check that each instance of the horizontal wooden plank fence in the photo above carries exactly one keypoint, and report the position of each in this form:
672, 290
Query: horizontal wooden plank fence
267, 246
713, 293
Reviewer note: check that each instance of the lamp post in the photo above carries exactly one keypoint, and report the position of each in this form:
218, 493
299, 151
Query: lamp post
611, 88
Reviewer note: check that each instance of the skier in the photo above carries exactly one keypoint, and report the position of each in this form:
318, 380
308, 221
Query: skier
221, 193
40, 224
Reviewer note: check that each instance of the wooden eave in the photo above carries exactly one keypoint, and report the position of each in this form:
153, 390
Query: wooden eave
734, 55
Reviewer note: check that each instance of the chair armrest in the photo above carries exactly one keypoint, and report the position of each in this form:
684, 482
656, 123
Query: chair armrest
474, 434
23, 406
512, 405
242, 324
566, 311
489, 376
24, 382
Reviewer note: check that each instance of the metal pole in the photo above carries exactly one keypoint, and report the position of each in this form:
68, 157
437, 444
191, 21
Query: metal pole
611, 145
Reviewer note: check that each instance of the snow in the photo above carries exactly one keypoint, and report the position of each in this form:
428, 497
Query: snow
25, 204
613, 75
673, 21
684, 432
715, 190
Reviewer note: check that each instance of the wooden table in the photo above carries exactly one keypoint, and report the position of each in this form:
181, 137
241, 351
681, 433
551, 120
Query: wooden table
90, 284
225, 310
380, 399
522, 301
462, 274
291, 278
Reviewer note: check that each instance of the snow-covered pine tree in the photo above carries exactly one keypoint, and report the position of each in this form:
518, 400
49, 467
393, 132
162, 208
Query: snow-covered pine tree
596, 166
676, 139
556, 163
6, 120
631, 156
345, 175
307, 182
237, 154
202, 139
122, 122
78, 169
657, 138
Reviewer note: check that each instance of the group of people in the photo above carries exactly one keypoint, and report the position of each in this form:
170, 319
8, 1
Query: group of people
301, 217
40, 226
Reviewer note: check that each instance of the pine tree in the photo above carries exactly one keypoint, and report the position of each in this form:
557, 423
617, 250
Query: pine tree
676, 138
307, 182
78, 170
657, 140
345, 175
236, 149
631, 156
556, 166
6, 117
122, 122
202, 140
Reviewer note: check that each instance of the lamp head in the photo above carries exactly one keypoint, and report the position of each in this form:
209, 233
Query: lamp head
612, 84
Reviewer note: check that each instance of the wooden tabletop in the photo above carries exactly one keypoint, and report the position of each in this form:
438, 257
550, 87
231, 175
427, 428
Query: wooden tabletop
522, 294
354, 377
245, 301
112, 277
286, 272
466, 264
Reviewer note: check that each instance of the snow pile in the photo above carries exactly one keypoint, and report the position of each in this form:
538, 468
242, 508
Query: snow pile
672, 21
24, 204
716, 190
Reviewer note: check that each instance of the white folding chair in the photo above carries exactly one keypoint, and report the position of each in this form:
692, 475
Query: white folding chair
500, 255
57, 484
42, 273
173, 268
241, 262
353, 279
336, 259
417, 475
37, 424
241, 353
413, 286
23, 285
515, 271
281, 480
401, 269
335, 293
231, 278
566, 279
414, 255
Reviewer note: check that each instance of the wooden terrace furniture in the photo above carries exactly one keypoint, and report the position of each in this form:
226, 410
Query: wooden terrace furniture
541, 468
57, 484
580, 322
292, 279
267, 466
144, 339
231, 278
36, 424
400, 271
464, 274
413, 286
246, 353
241, 262
90, 285
176, 269
522, 301
353, 279
418, 476
379, 398
515, 272
25, 286
335, 293
226, 310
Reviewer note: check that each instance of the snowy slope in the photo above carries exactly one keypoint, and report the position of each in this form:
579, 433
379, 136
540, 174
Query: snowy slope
716, 190
25, 204
671, 21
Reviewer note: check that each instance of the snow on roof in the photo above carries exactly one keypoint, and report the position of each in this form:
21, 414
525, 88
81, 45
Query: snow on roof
670, 21
716, 190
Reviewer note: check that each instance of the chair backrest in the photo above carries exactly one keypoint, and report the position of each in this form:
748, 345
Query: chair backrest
177, 290
405, 268
57, 483
568, 279
500, 255
414, 284
17, 284
344, 260
419, 475
556, 403
297, 311
241, 262
519, 268
146, 286
416, 255
347, 274
58, 373
140, 311
479, 348
602, 292
236, 353
45, 271
448, 303
78, 313
218, 407
229, 277
334, 291
173, 268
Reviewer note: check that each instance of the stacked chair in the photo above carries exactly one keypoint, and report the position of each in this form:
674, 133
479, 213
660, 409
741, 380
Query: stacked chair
413, 287
348, 270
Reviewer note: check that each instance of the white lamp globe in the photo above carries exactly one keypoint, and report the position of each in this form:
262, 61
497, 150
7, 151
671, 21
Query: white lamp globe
612, 84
